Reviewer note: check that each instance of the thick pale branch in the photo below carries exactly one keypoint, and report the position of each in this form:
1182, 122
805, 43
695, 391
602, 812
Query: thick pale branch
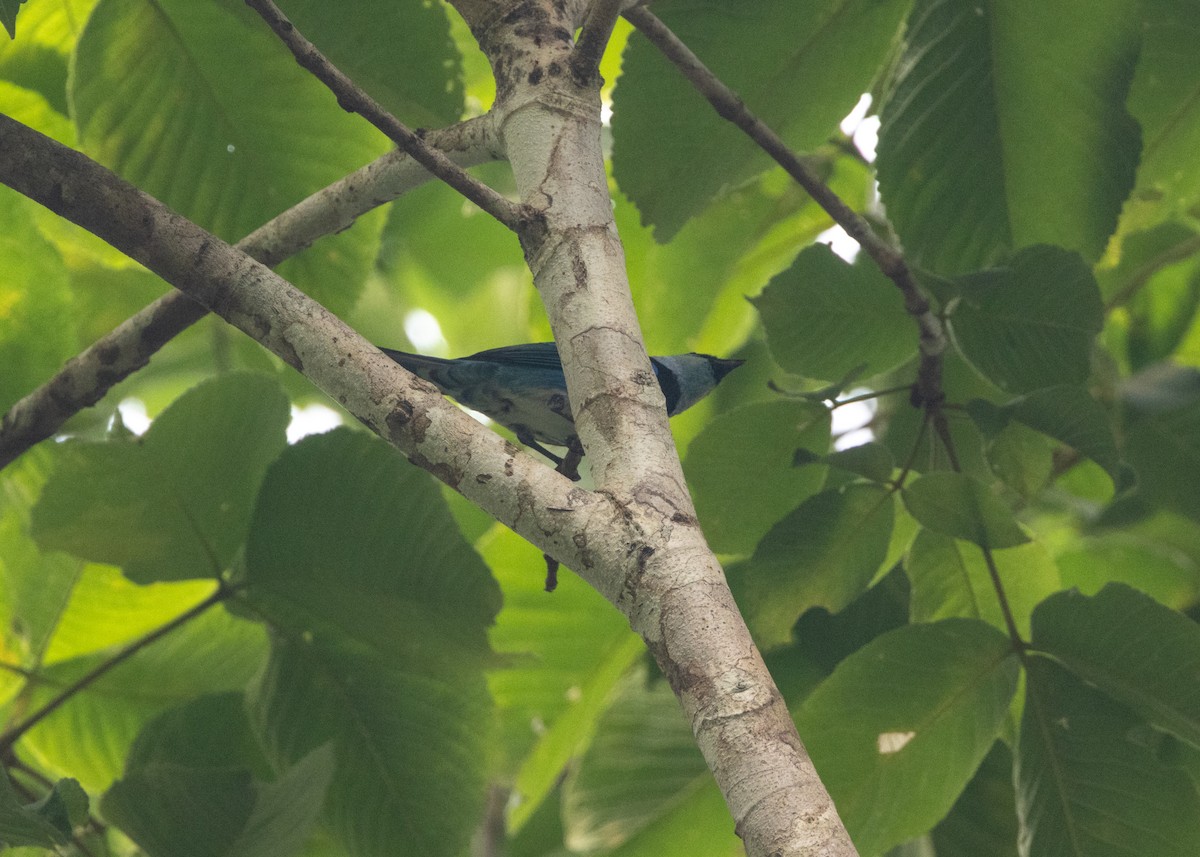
672, 588
890, 261
86, 378
351, 97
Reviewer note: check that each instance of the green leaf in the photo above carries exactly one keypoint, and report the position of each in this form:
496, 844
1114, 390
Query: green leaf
48, 822
206, 120
380, 611
698, 823
741, 474
89, 737
1067, 413
193, 786
1021, 459
825, 319
8, 15
824, 554
564, 655
38, 333
1031, 323
642, 761
960, 506
1131, 647
421, 85
919, 699
1161, 570
801, 69
869, 460
983, 821
1163, 446
175, 504
998, 133
1088, 781
951, 579
1163, 100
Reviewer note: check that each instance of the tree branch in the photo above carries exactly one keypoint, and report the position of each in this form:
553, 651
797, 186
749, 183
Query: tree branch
352, 98
12, 735
668, 583
932, 337
597, 30
88, 377
515, 488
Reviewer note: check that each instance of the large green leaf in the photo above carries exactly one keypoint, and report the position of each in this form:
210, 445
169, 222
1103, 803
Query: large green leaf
642, 762
826, 319
381, 612
1163, 445
801, 68
950, 578
176, 503
1031, 323
917, 700
201, 106
983, 821
1165, 100
194, 787
1131, 647
89, 737
564, 655
824, 554
957, 505
1150, 565
1005, 126
1088, 781
741, 469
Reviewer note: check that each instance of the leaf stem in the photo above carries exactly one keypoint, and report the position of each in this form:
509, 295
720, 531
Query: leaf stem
12, 735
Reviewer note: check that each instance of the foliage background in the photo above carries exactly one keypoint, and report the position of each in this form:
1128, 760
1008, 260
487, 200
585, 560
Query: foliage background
384, 674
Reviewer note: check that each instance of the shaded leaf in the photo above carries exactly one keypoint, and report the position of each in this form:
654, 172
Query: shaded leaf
998, 133
672, 153
194, 786
1131, 647
206, 120
1088, 781
823, 554
641, 763
741, 474
46, 823
380, 611
825, 318
1031, 323
918, 699
983, 821
960, 506
176, 503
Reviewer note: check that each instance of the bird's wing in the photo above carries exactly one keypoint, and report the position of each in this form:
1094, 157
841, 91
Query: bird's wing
535, 355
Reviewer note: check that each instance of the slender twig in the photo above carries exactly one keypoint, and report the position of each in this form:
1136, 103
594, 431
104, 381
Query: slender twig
597, 30
88, 376
729, 106
351, 97
874, 394
12, 735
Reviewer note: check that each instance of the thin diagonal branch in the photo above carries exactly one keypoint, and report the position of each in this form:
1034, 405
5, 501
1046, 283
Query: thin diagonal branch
597, 30
351, 97
88, 377
12, 735
729, 106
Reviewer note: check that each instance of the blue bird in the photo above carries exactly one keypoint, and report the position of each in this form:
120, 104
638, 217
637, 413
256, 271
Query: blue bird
523, 388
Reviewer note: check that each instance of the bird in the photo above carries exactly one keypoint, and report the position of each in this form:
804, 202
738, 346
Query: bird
523, 388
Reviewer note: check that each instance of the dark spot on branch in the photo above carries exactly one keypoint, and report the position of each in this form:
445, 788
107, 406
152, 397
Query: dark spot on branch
535, 76
442, 471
